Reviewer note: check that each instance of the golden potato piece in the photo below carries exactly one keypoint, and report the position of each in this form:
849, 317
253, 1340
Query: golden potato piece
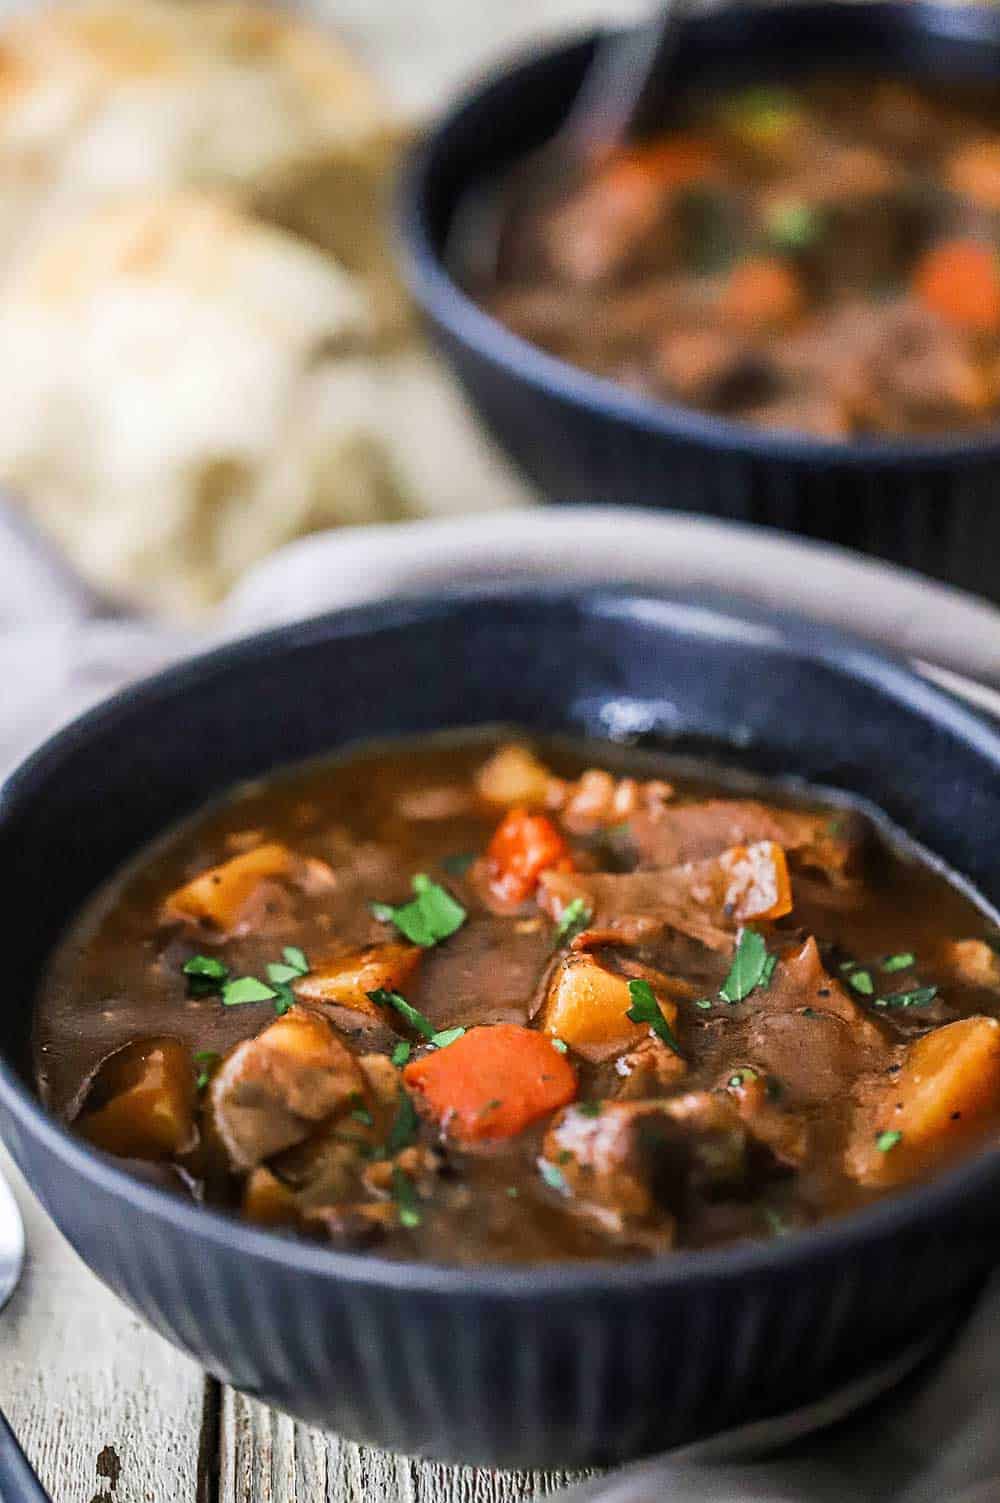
268, 1202
514, 777
974, 962
216, 896
949, 1083
346, 980
142, 1100
587, 1005
271, 1091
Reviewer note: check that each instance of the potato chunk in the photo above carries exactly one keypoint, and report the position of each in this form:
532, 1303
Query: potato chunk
141, 1102
948, 1085
217, 896
974, 963
268, 1202
757, 881
587, 1005
346, 980
272, 1090
514, 776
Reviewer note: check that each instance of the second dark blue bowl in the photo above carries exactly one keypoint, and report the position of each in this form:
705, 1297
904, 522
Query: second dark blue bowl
930, 503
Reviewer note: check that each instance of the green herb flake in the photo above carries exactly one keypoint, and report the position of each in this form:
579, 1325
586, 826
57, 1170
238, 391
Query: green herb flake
458, 865
401, 1053
206, 1059
809, 1012
284, 999
363, 1115
921, 996
553, 1176
589, 1108
205, 975
705, 1003
559, 1045
793, 225
404, 1127
413, 1015
777, 1224
431, 916
862, 982
886, 1141
281, 974
767, 974
491, 1106
246, 989
572, 921
512, 1191
405, 1196
742, 1077
446, 1036
901, 962
748, 968
646, 1009
847, 965
295, 957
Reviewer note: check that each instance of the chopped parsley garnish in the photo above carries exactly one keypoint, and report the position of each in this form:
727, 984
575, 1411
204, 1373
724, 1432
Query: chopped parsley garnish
572, 921
428, 918
901, 962
553, 1176
206, 1059
767, 973
295, 957
363, 1115
646, 1009
401, 1053
847, 965
559, 1045
887, 1140
491, 1106
704, 1003
404, 1127
749, 968
742, 1077
777, 1223
793, 226
405, 1196
292, 965
412, 1015
446, 1036
205, 975
512, 1191
589, 1108
458, 865
862, 982
921, 996
247, 989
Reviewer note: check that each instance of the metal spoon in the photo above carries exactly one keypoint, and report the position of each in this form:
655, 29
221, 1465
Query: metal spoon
18, 1483
618, 100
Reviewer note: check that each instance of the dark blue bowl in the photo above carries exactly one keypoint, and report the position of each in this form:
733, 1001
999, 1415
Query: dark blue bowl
929, 503
548, 1366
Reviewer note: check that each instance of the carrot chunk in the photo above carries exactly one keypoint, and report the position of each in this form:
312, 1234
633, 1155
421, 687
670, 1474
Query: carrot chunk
659, 166
493, 1082
959, 280
763, 293
757, 881
523, 846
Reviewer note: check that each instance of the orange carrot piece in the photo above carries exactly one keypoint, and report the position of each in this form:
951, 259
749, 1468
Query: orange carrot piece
671, 163
523, 846
757, 882
960, 281
493, 1082
762, 293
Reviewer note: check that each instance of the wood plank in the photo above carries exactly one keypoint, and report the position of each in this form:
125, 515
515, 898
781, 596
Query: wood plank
268, 1458
107, 1411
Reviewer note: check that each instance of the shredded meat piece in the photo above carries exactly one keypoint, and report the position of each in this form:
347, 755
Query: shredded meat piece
271, 1091
678, 833
646, 1070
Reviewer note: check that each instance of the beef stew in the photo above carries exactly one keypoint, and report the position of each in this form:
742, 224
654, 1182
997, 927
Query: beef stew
820, 258
476, 1001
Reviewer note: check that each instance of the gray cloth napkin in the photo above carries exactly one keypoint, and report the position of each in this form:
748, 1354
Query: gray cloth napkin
939, 1440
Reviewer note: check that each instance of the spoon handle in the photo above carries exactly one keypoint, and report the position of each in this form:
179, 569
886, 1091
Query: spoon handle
622, 94
18, 1483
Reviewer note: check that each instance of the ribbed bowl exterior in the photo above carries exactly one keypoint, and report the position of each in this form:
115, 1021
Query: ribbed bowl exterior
929, 505
549, 1366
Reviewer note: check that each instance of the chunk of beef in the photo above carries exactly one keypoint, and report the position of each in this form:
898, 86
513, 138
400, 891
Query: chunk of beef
637, 1168
273, 1090
808, 1033
487, 972
705, 900
678, 833
649, 1069
783, 1131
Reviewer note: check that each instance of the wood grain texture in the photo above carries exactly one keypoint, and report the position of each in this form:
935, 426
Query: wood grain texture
106, 1410
269, 1458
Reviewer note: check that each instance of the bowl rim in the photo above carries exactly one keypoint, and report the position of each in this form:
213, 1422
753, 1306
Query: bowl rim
444, 301
693, 613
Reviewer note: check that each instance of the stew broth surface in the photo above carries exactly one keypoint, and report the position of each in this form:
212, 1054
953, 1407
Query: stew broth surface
783, 965
819, 258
